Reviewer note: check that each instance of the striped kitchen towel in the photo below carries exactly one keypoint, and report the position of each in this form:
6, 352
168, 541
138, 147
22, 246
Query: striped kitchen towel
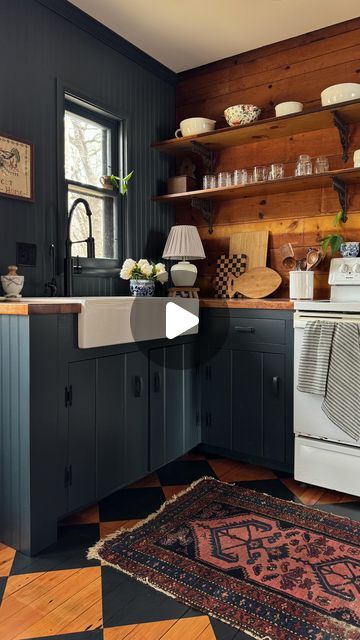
342, 400
314, 357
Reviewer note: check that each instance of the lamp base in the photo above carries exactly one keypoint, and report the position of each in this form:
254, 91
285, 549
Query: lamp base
183, 274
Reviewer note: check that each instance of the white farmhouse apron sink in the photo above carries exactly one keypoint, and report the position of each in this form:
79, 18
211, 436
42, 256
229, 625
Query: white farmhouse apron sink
110, 320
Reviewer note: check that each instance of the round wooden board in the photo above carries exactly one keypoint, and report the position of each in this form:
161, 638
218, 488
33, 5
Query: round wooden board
256, 283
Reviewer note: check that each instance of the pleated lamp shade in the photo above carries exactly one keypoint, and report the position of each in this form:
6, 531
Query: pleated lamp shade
184, 243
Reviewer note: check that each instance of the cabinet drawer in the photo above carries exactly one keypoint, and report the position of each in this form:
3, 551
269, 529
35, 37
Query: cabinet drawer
237, 332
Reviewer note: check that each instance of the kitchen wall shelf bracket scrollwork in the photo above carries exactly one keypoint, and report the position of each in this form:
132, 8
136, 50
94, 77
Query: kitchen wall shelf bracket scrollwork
208, 157
207, 207
342, 192
343, 129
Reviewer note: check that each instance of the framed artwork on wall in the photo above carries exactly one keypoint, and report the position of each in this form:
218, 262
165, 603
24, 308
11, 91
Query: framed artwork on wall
16, 168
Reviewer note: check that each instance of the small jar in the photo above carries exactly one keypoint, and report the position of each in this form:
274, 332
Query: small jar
240, 176
224, 179
357, 158
321, 164
209, 181
276, 171
260, 174
303, 165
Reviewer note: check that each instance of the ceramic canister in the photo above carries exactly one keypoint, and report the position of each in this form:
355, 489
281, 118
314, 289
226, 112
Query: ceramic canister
357, 158
301, 285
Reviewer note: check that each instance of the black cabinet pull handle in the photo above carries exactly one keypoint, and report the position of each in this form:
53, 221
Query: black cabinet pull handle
245, 329
138, 386
157, 382
275, 385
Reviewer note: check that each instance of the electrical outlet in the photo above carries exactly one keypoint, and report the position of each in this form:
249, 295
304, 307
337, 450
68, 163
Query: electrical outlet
25, 254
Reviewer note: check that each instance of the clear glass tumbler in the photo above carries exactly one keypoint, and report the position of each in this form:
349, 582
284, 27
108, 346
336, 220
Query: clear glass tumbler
224, 179
276, 171
209, 181
321, 164
260, 174
303, 165
240, 176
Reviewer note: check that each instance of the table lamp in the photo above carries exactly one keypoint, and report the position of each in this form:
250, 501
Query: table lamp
184, 244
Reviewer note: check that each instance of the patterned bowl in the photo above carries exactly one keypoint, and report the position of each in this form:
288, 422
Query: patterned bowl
241, 114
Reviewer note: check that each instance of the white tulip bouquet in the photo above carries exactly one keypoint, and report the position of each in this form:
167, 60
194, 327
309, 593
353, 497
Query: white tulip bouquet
143, 270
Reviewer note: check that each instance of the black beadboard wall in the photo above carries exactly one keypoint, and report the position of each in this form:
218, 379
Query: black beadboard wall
39, 48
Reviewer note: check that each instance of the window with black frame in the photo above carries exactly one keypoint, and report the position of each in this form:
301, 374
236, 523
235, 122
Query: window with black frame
92, 151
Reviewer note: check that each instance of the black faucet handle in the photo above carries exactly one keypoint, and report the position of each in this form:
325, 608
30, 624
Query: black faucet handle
77, 266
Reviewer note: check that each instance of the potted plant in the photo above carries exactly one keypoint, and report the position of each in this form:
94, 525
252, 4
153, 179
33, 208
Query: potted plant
143, 275
333, 240
116, 182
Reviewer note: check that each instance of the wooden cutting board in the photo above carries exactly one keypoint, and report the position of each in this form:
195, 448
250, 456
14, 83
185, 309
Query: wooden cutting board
253, 244
257, 283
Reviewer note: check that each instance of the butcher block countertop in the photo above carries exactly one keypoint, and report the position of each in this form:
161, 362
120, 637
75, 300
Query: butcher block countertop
247, 303
23, 308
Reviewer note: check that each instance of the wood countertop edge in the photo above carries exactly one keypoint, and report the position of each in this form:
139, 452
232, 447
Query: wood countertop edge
28, 309
247, 303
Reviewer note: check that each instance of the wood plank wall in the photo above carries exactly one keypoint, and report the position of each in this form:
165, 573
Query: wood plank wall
295, 69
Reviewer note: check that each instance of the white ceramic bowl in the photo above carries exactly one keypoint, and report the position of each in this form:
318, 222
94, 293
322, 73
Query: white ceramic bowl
241, 114
340, 93
193, 126
285, 108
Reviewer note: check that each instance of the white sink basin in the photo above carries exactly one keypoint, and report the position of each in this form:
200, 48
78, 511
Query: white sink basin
105, 321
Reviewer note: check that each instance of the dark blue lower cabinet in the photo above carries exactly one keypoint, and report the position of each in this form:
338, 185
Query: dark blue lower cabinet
216, 400
247, 402
174, 402
136, 416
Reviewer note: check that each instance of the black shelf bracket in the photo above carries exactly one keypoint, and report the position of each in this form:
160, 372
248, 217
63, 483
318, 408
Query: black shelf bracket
343, 129
207, 207
341, 189
207, 156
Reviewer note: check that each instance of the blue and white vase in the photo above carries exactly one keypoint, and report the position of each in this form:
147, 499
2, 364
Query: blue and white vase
142, 288
349, 249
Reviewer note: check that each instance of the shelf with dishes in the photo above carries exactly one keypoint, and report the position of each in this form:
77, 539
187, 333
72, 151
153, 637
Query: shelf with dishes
340, 115
205, 199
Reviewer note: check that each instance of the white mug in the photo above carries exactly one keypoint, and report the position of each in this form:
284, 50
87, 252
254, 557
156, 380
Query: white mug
357, 158
193, 126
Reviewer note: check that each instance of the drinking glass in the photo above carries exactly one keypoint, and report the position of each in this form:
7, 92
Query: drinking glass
240, 176
224, 179
276, 171
303, 165
260, 174
321, 164
209, 181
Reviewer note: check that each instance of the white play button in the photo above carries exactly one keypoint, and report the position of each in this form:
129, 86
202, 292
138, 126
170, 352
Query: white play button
178, 320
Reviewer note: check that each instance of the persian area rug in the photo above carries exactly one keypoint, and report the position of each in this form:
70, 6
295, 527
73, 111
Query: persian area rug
272, 568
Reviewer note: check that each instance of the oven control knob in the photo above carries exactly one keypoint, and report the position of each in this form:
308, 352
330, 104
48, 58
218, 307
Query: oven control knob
356, 267
343, 268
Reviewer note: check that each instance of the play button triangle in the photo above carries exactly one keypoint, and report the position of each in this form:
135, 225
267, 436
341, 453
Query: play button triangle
178, 320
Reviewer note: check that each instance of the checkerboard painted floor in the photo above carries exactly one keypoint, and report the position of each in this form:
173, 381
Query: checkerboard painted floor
61, 594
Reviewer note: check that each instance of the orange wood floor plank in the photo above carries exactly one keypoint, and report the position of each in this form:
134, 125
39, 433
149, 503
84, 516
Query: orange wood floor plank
7, 555
19, 581
190, 628
144, 631
25, 610
308, 495
151, 480
70, 616
107, 528
233, 471
88, 516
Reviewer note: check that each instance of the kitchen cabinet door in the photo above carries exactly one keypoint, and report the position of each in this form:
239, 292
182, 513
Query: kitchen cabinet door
80, 475
274, 435
136, 430
110, 430
216, 400
247, 402
192, 406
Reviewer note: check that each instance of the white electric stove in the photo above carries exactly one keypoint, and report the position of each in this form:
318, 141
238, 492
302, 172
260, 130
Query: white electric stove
324, 455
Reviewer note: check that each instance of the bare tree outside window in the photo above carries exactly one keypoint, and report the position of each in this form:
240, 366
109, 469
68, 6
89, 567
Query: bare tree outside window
87, 158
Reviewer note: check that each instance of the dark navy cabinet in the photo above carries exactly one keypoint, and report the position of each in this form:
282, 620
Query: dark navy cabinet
174, 402
136, 428
247, 379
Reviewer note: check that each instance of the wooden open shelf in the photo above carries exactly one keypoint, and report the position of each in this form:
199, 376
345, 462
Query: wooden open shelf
271, 128
284, 185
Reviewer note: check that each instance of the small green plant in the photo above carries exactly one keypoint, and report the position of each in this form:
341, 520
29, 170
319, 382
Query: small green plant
121, 184
333, 240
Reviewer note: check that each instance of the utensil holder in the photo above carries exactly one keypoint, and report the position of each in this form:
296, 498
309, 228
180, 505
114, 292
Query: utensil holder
301, 285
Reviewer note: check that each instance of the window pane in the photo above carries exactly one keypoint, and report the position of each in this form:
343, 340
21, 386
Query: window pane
87, 150
103, 225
